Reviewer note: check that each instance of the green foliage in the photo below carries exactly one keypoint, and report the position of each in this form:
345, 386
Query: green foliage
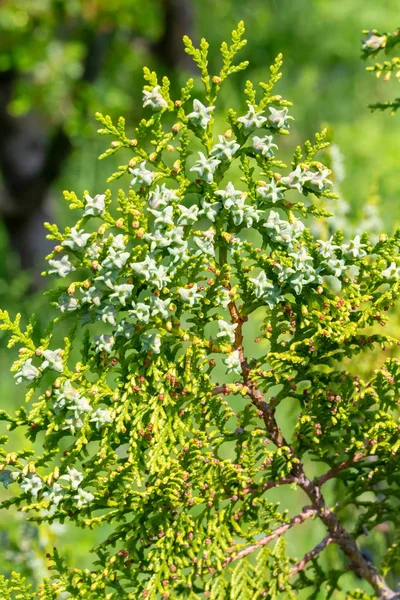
375, 44
152, 418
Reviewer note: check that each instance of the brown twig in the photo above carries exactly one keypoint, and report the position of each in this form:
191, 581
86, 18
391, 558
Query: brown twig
346, 464
301, 565
345, 541
307, 513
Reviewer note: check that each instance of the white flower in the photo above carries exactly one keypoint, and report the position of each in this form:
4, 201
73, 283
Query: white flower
66, 395
225, 149
231, 197
74, 477
92, 296
278, 118
151, 342
264, 145
232, 362
154, 99
83, 498
210, 209
141, 312
147, 266
190, 295
295, 179
317, 180
250, 214
122, 292
53, 360
94, 206
163, 217
327, 248
205, 243
226, 330
159, 277
206, 167
101, 416
31, 484
76, 239
93, 252
27, 372
141, 175
107, 314
178, 252
271, 191
336, 266
201, 114
261, 284
188, 215
117, 241
73, 422
126, 329
158, 239
54, 494
161, 196
373, 41
61, 266
283, 231
223, 298
115, 259
159, 307
80, 405
301, 259
67, 303
252, 119
272, 296
104, 343
355, 248
392, 271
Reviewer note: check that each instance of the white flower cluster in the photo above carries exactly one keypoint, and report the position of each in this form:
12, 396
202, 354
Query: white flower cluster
67, 486
234, 201
135, 289
315, 179
276, 120
28, 372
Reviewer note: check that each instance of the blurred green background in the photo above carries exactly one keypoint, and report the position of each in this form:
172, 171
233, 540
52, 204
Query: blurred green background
63, 60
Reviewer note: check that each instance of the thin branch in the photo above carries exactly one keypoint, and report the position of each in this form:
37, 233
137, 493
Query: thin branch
343, 538
345, 541
276, 483
346, 464
307, 513
310, 555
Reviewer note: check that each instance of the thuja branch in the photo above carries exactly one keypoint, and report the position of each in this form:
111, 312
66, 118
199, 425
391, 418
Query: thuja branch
337, 532
159, 283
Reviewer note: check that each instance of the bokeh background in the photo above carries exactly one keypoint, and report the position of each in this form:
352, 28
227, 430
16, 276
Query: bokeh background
63, 60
